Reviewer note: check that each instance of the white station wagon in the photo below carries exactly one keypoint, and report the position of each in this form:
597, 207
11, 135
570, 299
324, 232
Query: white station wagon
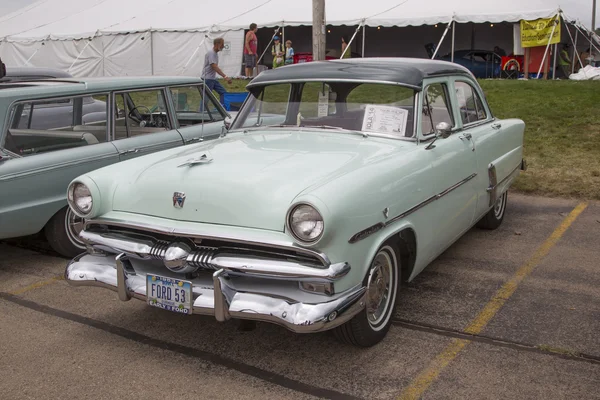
336, 181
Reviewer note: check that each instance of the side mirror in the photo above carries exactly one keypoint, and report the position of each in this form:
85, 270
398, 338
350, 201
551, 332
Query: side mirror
227, 122
443, 130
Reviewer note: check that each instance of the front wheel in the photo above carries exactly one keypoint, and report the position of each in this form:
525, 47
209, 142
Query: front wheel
493, 219
371, 325
62, 233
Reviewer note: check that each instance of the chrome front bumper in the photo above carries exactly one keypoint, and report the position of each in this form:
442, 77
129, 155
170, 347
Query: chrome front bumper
229, 293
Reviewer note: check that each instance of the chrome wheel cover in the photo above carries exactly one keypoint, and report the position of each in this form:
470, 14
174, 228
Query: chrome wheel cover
499, 206
73, 226
379, 288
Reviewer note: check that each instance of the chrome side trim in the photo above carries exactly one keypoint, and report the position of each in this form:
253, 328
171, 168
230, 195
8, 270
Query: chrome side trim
242, 239
379, 226
494, 184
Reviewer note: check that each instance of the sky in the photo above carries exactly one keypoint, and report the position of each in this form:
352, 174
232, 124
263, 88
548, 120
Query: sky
582, 8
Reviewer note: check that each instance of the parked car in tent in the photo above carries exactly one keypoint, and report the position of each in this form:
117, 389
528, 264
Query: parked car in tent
54, 130
482, 63
337, 180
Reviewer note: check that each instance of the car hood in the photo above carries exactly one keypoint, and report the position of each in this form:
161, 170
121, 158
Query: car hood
252, 178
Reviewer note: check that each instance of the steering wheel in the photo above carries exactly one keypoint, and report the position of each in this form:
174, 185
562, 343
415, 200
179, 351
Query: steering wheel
139, 117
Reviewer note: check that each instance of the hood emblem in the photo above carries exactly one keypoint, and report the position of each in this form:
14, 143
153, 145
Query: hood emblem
203, 159
178, 199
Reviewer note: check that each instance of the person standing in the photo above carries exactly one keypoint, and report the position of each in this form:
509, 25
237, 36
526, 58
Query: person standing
277, 52
211, 69
289, 52
564, 61
250, 48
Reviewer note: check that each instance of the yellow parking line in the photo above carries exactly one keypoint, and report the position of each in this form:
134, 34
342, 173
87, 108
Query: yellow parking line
37, 285
420, 384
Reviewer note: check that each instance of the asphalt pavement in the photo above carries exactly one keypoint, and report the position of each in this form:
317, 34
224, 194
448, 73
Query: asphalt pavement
510, 313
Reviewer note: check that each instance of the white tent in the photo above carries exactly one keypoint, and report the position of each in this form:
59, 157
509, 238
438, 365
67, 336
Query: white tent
170, 37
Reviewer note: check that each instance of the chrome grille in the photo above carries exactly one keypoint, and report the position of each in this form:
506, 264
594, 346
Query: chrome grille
201, 257
159, 249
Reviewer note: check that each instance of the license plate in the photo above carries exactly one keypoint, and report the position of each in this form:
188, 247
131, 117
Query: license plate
169, 293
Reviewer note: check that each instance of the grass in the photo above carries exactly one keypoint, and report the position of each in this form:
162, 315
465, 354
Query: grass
562, 136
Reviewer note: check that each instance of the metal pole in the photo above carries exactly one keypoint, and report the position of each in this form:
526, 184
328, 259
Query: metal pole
574, 50
453, 35
364, 33
593, 16
350, 42
318, 30
546, 51
151, 54
554, 63
441, 40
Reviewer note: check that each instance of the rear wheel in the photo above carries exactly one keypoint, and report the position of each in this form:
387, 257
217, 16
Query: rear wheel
371, 325
493, 219
62, 233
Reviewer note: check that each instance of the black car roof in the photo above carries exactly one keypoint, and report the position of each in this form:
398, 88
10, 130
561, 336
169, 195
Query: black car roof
404, 71
29, 73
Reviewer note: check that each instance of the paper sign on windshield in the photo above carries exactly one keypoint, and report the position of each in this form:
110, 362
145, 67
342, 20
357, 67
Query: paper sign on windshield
385, 119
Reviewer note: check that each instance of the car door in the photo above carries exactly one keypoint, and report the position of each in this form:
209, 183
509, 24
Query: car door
196, 120
498, 143
38, 164
140, 126
454, 164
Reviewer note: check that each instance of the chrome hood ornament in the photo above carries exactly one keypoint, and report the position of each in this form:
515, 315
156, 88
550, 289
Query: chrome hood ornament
203, 159
178, 199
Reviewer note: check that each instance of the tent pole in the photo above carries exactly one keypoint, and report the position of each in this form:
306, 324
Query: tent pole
547, 47
578, 57
442, 39
151, 53
453, 36
574, 50
593, 46
554, 62
266, 48
364, 28
350, 42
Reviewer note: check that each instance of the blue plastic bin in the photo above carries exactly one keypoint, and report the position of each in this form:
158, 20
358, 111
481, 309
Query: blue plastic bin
233, 100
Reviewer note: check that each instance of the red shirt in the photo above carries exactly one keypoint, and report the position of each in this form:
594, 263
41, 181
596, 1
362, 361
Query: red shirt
253, 42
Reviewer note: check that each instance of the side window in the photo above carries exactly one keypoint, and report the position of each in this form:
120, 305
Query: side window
436, 108
140, 112
269, 107
469, 103
190, 109
48, 125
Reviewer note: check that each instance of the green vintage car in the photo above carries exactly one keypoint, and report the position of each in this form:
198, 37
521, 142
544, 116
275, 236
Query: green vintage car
336, 181
54, 130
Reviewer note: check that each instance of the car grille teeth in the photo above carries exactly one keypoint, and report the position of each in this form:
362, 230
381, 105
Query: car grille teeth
202, 257
159, 250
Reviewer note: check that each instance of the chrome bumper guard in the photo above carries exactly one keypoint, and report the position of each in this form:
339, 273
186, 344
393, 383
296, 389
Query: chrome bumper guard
229, 293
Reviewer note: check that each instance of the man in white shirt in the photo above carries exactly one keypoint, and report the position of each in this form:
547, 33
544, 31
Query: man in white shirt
211, 69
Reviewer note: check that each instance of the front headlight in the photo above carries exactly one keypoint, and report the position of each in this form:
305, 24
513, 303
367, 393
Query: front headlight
80, 199
305, 223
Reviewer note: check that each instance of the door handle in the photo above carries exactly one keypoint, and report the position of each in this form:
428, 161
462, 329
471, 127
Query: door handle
465, 136
195, 139
496, 125
130, 151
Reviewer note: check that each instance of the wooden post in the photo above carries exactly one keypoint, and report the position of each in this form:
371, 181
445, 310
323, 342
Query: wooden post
318, 30
526, 73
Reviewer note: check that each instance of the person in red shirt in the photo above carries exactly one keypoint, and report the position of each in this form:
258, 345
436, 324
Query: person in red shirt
250, 46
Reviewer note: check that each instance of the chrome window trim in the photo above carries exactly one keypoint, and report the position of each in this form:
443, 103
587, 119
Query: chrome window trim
243, 239
444, 83
380, 225
209, 93
114, 93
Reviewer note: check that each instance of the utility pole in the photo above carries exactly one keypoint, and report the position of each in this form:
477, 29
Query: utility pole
318, 30
594, 16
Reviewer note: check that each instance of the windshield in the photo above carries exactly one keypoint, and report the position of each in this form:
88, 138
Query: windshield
373, 108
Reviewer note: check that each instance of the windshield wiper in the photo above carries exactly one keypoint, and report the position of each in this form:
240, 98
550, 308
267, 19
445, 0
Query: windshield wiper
337, 128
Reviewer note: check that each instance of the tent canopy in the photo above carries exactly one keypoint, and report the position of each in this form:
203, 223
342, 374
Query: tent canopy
67, 19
